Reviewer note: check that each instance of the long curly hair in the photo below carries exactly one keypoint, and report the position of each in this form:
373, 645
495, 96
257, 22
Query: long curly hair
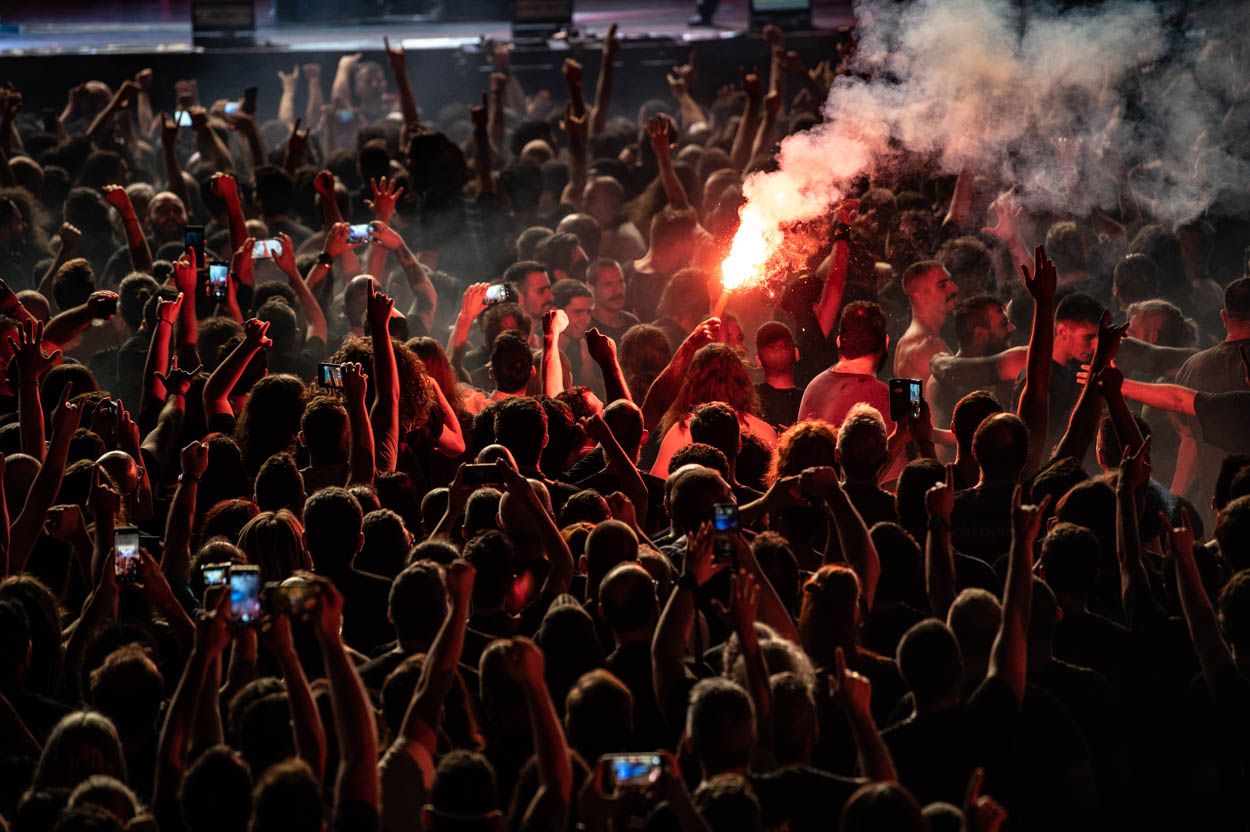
415, 396
270, 419
716, 374
438, 368
808, 444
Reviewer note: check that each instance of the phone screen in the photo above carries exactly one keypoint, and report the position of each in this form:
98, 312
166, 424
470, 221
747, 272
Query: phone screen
358, 233
184, 118
126, 554
215, 574
480, 473
330, 375
913, 397
500, 293
193, 238
245, 594
232, 107
725, 517
635, 769
267, 250
218, 281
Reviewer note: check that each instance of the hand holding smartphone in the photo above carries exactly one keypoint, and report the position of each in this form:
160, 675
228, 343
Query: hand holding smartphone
905, 398
245, 594
218, 285
267, 249
126, 555
500, 293
330, 375
725, 525
358, 233
634, 771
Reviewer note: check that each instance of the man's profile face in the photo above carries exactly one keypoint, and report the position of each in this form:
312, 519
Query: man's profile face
578, 311
609, 290
370, 82
999, 329
535, 294
936, 291
1078, 338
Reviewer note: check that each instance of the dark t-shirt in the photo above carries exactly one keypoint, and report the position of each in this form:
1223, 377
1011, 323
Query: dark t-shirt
781, 407
981, 521
631, 663
615, 332
1222, 417
1214, 370
1064, 391
642, 292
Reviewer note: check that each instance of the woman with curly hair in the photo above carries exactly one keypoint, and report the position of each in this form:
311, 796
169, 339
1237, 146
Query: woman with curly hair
269, 422
808, 444
449, 425
716, 374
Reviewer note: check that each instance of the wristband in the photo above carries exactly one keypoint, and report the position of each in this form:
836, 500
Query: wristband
188, 478
938, 524
687, 581
325, 260
842, 233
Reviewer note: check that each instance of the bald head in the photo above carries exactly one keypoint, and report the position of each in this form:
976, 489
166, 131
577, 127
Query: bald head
691, 497
608, 544
602, 198
121, 469
355, 298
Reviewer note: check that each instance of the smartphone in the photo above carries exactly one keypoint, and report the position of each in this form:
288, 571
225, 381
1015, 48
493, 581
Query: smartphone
725, 524
184, 118
245, 594
346, 116
106, 308
215, 574
249, 101
232, 107
330, 375
126, 557
267, 250
218, 285
358, 233
905, 398
480, 473
108, 409
635, 770
293, 597
500, 293
193, 238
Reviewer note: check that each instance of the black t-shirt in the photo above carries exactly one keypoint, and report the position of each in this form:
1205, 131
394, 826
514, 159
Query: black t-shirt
614, 332
981, 521
631, 663
1222, 418
1064, 391
355, 816
781, 407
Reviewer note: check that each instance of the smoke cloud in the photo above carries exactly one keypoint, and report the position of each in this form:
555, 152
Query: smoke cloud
1047, 104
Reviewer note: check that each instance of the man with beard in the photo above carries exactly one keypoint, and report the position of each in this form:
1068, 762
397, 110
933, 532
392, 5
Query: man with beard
931, 294
166, 221
982, 328
862, 344
575, 299
607, 286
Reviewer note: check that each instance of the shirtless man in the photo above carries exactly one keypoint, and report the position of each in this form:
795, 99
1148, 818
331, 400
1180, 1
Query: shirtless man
931, 293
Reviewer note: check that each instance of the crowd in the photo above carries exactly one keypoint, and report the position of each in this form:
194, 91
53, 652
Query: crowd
465, 500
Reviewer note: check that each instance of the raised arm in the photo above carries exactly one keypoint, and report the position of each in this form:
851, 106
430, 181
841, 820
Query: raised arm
555, 321
1034, 407
169, 153
306, 727
180, 519
767, 132
161, 440
740, 152
603, 87
603, 350
136, 242
158, 353
354, 724
32, 365
341, 86
496, 121
1083, 425
308, 304
70, 237
209, 143
1007, 227
29, 523
68, 325
981, 371
672, 633
549, 807
226, 188
666, 386
323, 183
316, 98
1134, 473
939, 560
286, 104
385, 413
852, 693
1204, 626
221, 383
681, 85
560, 571
480, 117
296, 145
414, 272
1127, 432
739, 614
830, 302
103, 122
1009, 656
857, 547
399, 69
360, 454
657, 132
245, 125
471, 305
574, 126
620, 463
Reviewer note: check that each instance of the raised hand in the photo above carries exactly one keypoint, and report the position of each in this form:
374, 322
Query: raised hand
312, 72
194, 459
744, 602
116, 196
1041, 284
212, 631
658, 132
474, 301
385, 236
676, 86
981, 812
523, 662
498, 83
70, 237
290, 80
939, 500
297, 142
169, 131
329, 615
1026, 520
103, 500
555, 321
772, 104
185, 270
538, 104
751, 83
459, 577
1006, 219
199, 118
32, 364
1109, 337
337, 241
572, 72
385, 194
188, 93
378, 309
66, 415
1109, 380
1180, 539
820, 481
324, 183
705, 333
355, 382
1135, 465
241, 265
102, 304
700, 562
395, 57
64, 521
574, 126
791, 63
286, 258
849, 690
601, 347
177, 380
611, 44
774, 36
622, 508
254, 331
687, 73
224, 186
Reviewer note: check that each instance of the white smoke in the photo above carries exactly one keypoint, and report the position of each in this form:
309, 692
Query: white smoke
1033, 103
